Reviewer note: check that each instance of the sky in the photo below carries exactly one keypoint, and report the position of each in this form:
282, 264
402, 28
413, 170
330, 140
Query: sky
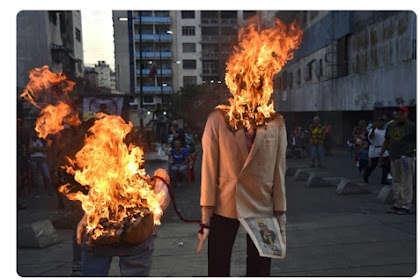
98, 37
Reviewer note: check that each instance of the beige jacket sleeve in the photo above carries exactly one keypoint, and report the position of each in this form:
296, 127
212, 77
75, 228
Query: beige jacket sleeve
279, 188
210, 165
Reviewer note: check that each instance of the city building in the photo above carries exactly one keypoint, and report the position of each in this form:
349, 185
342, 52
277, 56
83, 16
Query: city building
104, 74
51, 38
351, 66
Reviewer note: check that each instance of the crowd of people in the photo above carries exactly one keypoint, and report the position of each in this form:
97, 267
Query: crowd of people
390, 144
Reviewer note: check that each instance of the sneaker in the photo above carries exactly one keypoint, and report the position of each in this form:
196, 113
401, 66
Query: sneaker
403, 211
394, 209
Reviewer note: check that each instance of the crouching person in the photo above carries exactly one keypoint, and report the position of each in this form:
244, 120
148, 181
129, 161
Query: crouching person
136, 248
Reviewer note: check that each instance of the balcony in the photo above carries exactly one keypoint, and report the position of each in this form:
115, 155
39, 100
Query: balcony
229, 21
210, 39
155, 55
209, 21
210, 55
154, 37
156, 20
155, 89
145, 72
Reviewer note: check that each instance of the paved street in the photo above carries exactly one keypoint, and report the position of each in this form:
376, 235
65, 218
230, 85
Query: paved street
328, 234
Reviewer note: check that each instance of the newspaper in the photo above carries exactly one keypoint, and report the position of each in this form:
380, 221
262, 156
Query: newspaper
265, 233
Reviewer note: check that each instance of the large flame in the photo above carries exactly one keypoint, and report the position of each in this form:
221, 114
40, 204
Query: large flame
112, 172
261, 54
118, 189
48, 92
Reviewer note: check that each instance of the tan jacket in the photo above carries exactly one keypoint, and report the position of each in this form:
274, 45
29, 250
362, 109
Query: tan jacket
239, 184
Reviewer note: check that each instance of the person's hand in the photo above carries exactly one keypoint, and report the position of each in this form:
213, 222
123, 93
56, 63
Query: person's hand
282, 224
202, 237
81, 227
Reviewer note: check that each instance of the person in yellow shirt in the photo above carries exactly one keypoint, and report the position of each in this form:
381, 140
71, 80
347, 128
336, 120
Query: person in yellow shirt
316, 141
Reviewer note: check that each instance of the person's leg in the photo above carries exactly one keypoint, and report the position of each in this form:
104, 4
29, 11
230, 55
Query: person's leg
77, 256
138, 264
373, 162
183, 171
46, 175
34, 172
312, 150
386, 168
407, 183
174, 171
256, 265
94, 265
396, 181
220, 242
320, 153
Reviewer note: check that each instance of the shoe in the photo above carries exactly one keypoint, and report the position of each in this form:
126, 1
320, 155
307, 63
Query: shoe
394, 209
403, 211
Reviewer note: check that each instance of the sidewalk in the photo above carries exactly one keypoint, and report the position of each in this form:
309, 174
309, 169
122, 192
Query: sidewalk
327, 234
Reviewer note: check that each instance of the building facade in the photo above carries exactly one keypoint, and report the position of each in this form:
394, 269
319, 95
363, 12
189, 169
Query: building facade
351, 66
51, 38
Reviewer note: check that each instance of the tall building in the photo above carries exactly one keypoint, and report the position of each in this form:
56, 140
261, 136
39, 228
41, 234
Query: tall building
350, 66
144, 56
104, 74
185, 47
51, 38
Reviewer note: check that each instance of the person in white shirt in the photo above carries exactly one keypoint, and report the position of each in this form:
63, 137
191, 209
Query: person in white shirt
376, 136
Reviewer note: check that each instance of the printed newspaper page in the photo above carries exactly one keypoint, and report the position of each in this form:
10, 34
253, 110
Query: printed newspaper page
265, 233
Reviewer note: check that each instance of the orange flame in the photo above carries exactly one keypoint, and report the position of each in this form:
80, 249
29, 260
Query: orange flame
112, 172
261, 54
49, 92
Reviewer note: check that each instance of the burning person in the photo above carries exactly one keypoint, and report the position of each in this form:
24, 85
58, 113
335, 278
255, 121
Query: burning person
122, 203
244, 147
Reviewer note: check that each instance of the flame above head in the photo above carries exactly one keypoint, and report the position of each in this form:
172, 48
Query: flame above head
48, 92
261, 53
111, 171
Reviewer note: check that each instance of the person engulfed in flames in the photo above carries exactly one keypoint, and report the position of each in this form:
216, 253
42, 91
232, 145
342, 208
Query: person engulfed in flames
244, 146
121, 203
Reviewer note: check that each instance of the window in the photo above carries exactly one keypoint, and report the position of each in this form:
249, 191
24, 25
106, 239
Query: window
190, 80
209, 67
248, 14
187, 14
78, 35
188, 47
188, 30
209, 31
146, 13
290, 80
53, 17
189, 64
298, 76
321, 68
208, 14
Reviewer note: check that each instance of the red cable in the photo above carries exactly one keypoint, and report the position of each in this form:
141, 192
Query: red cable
168, 185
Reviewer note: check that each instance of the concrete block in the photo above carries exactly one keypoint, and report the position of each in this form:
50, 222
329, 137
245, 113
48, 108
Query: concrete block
37, 235
316, 179
302, 174
386, 195
347, 187
290, 171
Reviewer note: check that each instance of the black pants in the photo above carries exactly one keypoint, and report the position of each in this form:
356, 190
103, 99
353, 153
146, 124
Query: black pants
221, 238
386, 167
